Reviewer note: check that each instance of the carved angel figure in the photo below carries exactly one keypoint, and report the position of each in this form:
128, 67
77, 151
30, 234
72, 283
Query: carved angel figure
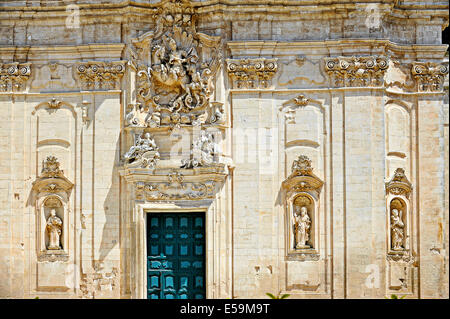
54, 229
397, 227
141, 145
302, 224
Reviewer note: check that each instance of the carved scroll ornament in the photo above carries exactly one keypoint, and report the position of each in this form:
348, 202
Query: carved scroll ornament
356, 71
13, 76
98, 75
429, 76
251, 73
399, 184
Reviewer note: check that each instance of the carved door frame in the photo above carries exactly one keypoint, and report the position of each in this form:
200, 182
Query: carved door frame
141, 211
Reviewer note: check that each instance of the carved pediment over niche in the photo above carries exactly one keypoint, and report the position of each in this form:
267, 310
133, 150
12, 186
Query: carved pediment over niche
13, 76
52, 179
302, 179
176, 70
399, 184
365, 71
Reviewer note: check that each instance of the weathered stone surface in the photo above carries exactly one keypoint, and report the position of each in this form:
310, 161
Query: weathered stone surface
313, 136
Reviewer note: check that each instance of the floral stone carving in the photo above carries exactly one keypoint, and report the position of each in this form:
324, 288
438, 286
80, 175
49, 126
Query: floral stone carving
144, 153
356, 71
252, 73
177, 86
13, 76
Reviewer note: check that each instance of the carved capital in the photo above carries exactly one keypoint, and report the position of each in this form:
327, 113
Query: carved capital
13, 76
98, 75
251, 73
429, 76
366, 71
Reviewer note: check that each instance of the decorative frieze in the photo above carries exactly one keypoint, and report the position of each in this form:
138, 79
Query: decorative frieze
251, 73
13, 76
366, 71
174, 189
98, 75
429, 76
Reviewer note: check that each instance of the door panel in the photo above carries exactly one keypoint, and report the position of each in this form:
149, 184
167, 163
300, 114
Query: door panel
176, 256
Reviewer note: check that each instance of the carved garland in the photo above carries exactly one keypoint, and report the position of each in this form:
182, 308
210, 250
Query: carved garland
356, 71
13, 76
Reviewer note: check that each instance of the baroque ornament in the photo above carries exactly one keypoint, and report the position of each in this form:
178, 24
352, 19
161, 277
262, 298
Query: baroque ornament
98, 75
202, 152
252, 73
175, 189
177, 85
13, 76
399, 184
144, 153
429, 76
356, 71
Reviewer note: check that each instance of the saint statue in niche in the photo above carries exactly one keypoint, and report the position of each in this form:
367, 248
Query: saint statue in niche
54, 229
397, 227
302, 223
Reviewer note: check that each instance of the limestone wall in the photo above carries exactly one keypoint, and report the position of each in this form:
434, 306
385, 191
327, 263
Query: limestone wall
360, 89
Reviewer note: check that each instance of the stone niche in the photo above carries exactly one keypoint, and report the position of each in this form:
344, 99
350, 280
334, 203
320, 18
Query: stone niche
301, 196
399, 232
50, 197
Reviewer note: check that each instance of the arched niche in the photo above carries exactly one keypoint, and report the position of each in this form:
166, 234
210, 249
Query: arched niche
50, 196
398, 215
301, 192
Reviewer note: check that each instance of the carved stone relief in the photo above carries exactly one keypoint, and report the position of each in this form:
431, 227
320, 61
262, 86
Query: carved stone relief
202, 152
144, 153
176, 82
98, 75
13, 76
356, 71
251, 73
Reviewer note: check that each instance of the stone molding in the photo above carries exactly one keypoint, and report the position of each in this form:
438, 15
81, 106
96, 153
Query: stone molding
399, 184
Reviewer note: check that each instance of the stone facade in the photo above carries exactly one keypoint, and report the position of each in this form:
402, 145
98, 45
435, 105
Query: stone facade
313, 136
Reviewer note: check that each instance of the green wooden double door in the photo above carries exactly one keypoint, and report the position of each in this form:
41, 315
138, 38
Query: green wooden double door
176, 256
